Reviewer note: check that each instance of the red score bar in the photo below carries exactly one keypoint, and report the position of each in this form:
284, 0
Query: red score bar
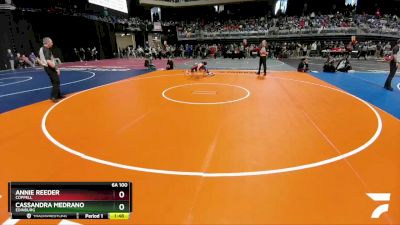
83, 195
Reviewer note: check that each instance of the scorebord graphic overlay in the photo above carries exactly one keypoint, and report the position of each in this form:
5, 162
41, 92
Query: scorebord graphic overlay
72, 200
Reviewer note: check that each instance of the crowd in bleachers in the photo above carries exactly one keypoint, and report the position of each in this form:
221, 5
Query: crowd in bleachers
294, 24
377, 23
278, 50
347, 18
132, 22
369, 23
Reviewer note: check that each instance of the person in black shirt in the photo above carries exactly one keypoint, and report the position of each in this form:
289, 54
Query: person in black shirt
77, 57
18, 61
394, 64
88, 54
303, 66
82, 54
263, 53
47, 61
329, 65
170, 64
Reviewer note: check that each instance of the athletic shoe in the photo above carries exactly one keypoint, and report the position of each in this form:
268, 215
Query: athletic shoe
388, 88
54, 100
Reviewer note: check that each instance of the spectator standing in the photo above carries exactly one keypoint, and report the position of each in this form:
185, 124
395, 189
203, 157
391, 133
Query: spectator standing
314, 48
33, 58
10, 58
394, 64
94, 53
170, 64
88, 54
18, 61
77, 57
363, 50
82, 54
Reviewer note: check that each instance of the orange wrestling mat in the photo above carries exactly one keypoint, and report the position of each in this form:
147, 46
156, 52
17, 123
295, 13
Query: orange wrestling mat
233, 148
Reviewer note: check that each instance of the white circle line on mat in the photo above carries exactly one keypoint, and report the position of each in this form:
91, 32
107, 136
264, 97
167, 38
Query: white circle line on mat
37, 89
16, 82
225, 174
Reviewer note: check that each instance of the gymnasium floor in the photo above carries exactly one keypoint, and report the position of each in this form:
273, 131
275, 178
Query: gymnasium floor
234, 148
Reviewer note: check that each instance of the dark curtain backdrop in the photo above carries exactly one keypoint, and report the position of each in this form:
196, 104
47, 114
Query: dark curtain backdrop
5, 37
23, 32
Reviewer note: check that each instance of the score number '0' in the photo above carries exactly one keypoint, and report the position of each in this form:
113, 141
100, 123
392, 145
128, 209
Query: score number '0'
121, 194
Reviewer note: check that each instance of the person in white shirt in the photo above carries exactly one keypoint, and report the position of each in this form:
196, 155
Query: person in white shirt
314, 46
10, 57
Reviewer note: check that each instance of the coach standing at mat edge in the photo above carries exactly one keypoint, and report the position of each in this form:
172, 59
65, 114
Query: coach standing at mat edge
394, 64
47, 61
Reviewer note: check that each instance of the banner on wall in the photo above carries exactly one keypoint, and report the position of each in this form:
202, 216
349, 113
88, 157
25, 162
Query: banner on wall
157, 26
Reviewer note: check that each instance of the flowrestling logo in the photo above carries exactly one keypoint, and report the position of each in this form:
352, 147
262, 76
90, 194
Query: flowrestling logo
380, 197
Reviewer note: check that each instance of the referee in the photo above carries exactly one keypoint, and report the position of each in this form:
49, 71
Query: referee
47, 61
263, 57
394, 64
